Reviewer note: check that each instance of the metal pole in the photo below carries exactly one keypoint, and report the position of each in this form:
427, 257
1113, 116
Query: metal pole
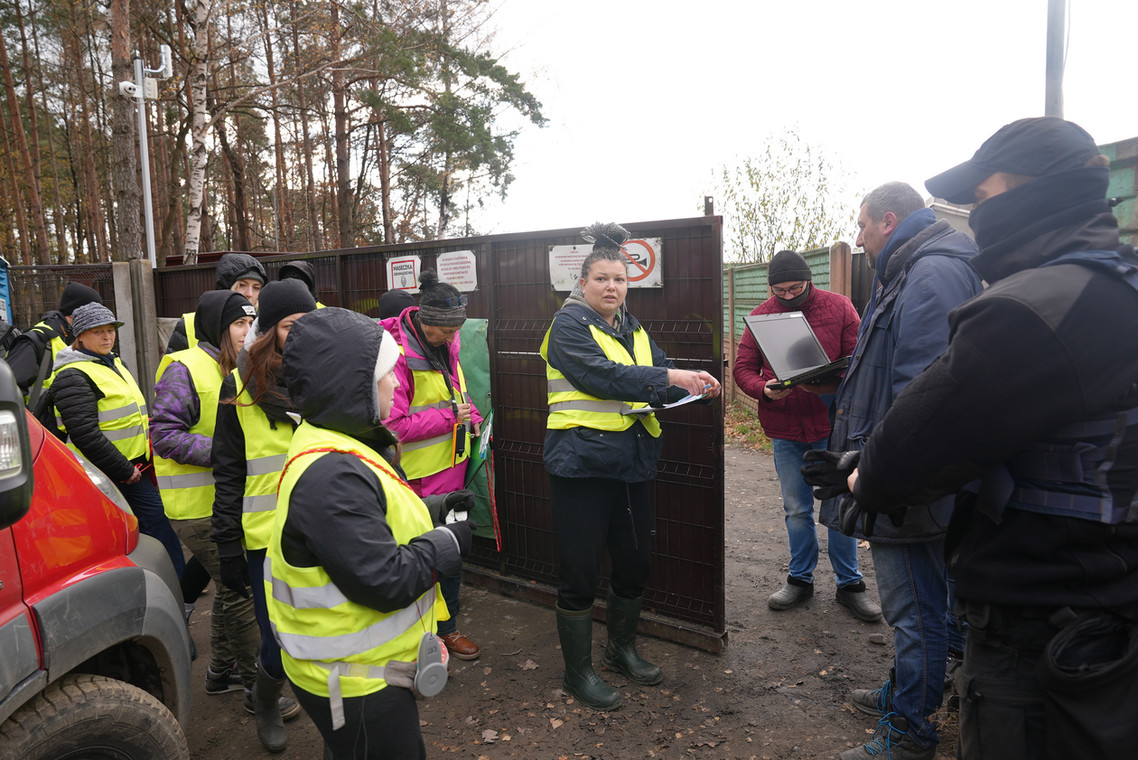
144, 156
1056, 43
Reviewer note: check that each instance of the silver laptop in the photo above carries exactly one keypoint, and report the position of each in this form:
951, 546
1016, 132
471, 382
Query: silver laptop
792, 349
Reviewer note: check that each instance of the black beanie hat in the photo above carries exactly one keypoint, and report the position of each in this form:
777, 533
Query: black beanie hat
440, 303
217, 310
75, 295
281, 298
393, 302
788, 266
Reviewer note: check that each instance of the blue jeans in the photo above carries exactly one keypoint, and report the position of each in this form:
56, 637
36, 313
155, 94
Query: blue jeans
912, 582
146, 503
269, 654
798, 503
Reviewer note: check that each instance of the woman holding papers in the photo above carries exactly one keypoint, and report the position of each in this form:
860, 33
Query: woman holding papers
601, 364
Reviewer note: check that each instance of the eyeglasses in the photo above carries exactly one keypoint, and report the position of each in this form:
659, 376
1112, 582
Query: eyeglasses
793, 290
455, 301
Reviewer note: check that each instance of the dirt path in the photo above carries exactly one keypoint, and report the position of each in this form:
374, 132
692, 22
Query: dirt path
779, 691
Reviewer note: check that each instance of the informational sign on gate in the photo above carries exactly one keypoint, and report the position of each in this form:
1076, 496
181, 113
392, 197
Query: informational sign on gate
642, 259
459, 268
403, 274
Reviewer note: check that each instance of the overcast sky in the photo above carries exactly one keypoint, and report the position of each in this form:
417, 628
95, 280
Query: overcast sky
646, 98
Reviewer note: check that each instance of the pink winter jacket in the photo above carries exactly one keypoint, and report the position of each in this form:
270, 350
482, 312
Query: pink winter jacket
429, 422
801, 416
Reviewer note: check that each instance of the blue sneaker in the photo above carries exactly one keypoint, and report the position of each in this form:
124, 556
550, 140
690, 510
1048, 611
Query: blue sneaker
875, 702
891, 741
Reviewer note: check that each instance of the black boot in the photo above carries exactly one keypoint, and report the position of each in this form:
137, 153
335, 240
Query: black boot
620, 653
575, 629
267, 711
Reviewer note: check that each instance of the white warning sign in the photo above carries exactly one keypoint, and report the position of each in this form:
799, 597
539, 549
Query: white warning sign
403, 274
459, 268
642, 261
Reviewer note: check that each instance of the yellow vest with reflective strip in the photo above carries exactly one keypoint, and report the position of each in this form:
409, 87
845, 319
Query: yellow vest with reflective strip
122, 409
331, 646
187, 490
266, 451
54, 346
569, 407
188, 323
431, 455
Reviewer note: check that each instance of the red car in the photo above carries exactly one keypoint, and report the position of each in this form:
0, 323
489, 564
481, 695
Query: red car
94, 651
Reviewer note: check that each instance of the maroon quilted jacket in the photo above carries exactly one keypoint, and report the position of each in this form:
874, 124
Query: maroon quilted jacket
801, 416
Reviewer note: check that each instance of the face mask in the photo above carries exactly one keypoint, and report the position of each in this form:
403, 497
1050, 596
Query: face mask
796, 302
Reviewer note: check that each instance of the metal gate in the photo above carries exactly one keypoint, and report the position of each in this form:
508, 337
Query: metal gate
685, 597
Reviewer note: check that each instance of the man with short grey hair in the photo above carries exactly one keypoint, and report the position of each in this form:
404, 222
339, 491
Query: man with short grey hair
923, 272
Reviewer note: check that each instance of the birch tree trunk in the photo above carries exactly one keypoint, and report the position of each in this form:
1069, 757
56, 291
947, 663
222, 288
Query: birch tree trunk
199, 157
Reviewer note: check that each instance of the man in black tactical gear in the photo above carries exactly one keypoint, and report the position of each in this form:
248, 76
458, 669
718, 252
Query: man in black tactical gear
1035, 403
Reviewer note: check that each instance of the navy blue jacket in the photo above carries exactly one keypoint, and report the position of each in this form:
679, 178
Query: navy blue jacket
629, 455
924, 273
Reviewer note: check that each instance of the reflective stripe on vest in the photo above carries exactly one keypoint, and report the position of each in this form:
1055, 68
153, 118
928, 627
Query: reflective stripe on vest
570, 408
187, 490
266, 450
121, 410
191, 334
427, 456
1065, 473
317, 626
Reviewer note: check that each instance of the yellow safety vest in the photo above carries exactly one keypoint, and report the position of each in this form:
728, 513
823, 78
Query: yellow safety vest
191, 335
54, 346
569, 407
332, 646
435, 454
122, 409
187, 489
266, 450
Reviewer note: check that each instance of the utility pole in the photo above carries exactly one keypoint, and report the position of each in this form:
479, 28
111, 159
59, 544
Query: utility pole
1056, 53
142, 89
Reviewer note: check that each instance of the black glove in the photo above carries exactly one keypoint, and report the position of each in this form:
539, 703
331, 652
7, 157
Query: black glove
463, 500
828, 471
849, 510
464, 532
235, 574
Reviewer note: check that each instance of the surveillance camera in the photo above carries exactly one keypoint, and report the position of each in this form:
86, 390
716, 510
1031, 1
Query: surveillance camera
129, 89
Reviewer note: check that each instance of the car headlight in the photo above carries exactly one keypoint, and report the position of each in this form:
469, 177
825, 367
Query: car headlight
103, 483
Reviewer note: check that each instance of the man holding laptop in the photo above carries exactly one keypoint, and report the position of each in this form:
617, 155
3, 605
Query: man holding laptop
796, 420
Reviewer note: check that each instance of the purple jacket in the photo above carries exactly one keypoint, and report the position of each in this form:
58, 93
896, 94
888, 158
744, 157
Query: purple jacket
177, 409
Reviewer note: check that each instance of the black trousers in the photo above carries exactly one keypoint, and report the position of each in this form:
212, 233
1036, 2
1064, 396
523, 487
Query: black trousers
591, 515
1039, 684
379, 726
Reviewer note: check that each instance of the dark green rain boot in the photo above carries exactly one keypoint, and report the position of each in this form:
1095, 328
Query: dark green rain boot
620, 652
575, 629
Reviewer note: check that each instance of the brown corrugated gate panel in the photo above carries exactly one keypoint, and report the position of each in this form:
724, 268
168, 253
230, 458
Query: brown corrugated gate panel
685, 597
35, 290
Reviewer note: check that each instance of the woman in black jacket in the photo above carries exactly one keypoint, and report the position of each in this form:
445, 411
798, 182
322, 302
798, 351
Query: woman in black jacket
602, 462
101, 410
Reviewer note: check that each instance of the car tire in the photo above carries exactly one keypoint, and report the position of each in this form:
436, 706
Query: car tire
93, 718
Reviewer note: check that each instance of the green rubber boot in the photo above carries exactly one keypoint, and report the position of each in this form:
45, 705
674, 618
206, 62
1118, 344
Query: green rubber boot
620, 652
575, 629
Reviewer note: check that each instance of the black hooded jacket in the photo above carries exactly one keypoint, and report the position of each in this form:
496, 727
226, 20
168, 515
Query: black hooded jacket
1041, 348
28, 349
230, 268
337, 509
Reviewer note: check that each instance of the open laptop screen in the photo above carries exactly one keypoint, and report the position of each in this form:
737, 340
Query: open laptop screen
787, 342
